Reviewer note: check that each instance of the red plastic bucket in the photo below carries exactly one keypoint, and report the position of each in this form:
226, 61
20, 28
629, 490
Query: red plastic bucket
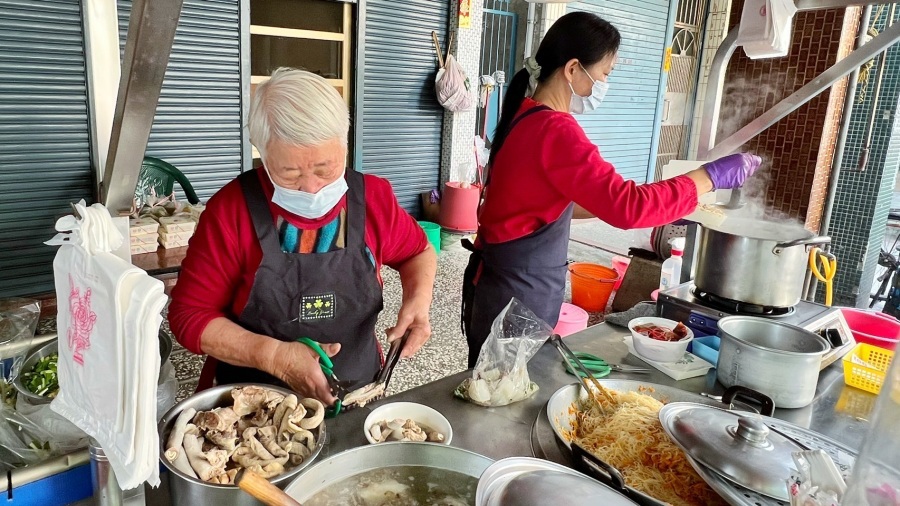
871, 327
592, 285
459, 207
572, 319
620, 264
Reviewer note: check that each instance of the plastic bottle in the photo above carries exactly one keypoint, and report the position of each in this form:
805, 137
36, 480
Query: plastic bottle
670, 276
876, 473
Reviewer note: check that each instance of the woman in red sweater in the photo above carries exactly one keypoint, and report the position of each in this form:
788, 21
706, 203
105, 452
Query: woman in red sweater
544, 171
294, 249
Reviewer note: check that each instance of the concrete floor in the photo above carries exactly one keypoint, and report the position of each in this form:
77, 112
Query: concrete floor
446, 351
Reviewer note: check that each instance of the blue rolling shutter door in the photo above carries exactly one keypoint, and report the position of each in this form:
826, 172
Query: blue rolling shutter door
197, 126
623, 125
44, 135
401, 119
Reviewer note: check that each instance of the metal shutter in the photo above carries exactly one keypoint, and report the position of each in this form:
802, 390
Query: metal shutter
44, 135
401, 120
624, 124
197, 126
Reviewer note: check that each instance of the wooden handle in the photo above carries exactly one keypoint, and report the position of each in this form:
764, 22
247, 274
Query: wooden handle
449, 46
262, 489
437, 48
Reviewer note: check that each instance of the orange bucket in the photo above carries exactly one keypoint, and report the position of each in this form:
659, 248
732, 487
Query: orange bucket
592, 285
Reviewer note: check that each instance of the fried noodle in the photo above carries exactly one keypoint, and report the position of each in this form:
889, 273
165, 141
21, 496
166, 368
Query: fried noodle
627, 434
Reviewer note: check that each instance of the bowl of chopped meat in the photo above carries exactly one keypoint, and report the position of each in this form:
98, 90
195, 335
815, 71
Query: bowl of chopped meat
660, 339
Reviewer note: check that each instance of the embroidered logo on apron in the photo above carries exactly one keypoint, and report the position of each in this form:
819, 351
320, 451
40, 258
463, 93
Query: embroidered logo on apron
317, 307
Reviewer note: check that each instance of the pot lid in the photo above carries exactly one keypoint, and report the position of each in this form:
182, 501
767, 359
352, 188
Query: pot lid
525, 481
740, 448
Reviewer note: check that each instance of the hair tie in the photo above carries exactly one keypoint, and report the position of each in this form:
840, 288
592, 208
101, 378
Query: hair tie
534, 73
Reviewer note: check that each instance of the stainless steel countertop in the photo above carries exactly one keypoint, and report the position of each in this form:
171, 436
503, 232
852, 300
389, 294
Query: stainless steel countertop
507, 431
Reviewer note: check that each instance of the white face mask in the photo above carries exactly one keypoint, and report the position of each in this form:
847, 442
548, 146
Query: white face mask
579, 104
310, 205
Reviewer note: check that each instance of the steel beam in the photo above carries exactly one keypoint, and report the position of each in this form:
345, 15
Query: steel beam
707, 148
151, 31
793, 102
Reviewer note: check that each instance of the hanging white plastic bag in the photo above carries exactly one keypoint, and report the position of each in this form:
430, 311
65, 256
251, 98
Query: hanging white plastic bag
108, 352
454, 91
501, 376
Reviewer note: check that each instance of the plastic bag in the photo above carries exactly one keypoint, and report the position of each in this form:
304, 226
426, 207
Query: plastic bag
18, 322
22, 442
500, 376
64, 436
166, 390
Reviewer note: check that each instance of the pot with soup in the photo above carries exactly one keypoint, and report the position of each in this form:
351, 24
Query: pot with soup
392, 473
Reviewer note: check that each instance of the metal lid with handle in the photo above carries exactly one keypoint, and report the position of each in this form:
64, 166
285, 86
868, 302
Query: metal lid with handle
525, 481
741, 448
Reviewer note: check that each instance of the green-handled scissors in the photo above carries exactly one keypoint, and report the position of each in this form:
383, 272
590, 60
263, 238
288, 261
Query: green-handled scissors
327, 366
600, 368
594, 364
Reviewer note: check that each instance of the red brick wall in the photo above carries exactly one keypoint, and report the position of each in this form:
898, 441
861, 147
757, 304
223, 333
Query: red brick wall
797, 151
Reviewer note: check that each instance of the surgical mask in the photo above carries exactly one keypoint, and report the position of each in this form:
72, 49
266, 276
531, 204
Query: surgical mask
579, 104
310, 205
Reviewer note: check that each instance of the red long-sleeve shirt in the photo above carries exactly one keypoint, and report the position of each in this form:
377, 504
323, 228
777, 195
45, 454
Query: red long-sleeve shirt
224, 253
547, 162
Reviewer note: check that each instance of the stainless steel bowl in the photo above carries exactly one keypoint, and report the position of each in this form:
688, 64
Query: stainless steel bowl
187, 490
35, 355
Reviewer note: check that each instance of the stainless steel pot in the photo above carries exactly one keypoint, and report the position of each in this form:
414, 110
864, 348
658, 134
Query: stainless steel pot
773, 358
754, 261
366, 458
186, 490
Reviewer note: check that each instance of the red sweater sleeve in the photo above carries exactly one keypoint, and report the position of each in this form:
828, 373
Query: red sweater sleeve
213, 269
395, 234
575, 168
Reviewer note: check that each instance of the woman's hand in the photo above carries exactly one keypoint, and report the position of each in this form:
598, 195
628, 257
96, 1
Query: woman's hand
298, 365
731, 171
413, 316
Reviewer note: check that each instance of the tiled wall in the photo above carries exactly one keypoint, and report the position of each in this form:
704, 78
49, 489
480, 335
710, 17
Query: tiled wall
459, 127
864, 197
793, 169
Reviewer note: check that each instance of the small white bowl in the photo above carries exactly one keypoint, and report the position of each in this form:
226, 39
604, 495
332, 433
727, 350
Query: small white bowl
658, 351
431, 418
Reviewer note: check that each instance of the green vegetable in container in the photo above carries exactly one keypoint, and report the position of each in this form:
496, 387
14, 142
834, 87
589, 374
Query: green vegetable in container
42, 379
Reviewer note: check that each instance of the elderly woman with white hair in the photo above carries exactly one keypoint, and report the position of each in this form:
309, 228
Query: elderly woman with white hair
294, 249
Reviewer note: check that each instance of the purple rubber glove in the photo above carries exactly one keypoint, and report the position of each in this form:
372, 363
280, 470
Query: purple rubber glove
731, 171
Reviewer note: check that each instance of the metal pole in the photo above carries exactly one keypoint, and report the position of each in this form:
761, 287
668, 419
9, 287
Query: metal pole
790, 104
870, 127
151, 31
841, 144
529, 29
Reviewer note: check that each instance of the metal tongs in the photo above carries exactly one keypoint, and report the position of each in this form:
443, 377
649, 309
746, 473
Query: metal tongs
588, 380
375, 390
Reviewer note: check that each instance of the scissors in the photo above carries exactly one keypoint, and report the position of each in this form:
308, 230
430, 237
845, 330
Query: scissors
600, 368
338, 388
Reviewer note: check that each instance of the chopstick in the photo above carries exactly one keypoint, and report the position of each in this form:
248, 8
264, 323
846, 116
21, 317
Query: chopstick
570, 357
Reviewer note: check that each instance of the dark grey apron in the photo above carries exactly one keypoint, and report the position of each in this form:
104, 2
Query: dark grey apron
531, 269
332, 297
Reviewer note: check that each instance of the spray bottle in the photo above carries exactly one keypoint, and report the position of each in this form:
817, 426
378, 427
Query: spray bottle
670, 276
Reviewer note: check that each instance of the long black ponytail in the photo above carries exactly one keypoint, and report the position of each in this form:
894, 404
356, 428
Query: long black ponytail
580, 35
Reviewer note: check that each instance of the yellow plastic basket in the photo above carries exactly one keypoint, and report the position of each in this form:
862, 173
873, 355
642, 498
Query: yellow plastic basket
865, 378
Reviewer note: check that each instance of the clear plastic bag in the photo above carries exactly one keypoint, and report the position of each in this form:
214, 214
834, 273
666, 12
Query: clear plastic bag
18, 322
501, 376
63, 436
22, 442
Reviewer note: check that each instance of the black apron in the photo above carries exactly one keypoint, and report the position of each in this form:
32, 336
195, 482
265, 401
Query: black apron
332, 297
531, 269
